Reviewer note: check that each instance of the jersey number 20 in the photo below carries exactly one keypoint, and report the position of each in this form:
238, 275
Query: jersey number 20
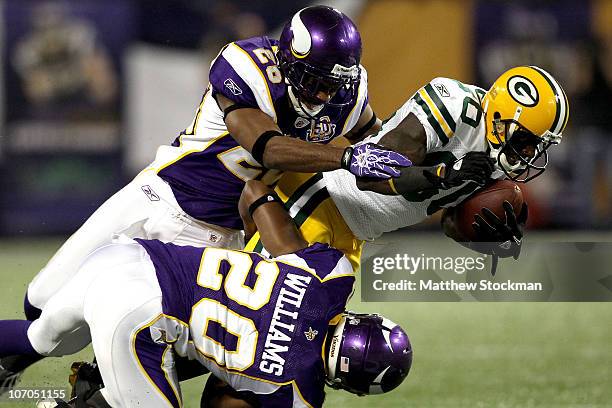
233, 284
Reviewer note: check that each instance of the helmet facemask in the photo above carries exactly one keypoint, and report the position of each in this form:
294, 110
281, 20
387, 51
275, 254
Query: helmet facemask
308, 82
520, 154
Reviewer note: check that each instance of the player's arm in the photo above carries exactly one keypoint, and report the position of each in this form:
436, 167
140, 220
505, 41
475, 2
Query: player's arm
368, 124
261, 210
410, 139
259, 135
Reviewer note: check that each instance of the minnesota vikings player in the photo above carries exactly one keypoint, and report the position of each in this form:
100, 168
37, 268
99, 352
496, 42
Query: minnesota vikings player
458, 136
261, 325
308, 88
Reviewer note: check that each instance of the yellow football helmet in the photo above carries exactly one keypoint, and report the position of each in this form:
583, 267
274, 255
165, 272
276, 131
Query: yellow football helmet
525, 111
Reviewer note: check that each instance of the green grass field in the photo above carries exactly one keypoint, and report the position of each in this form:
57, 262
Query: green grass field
466, 355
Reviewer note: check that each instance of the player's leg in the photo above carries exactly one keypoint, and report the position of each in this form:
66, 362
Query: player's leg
145, 208
136, 370
60, 330
125, 212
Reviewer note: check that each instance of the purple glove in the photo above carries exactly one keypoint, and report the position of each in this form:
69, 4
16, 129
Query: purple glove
373, 161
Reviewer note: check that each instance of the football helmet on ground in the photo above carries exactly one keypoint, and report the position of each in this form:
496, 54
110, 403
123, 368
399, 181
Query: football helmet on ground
367, 354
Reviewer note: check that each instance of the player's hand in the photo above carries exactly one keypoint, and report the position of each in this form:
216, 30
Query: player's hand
474, 166
503, 238
373, 161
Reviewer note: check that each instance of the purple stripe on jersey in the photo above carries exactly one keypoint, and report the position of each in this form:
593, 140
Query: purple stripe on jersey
226, 81
150, 354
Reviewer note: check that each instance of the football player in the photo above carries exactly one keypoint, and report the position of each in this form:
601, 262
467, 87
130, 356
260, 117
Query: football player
458, 137
270, 106
275, 329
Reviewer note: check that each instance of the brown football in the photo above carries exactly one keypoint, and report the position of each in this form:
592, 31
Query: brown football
491, 197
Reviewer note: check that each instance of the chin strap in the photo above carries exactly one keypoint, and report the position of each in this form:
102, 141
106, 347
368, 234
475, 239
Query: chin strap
300, 108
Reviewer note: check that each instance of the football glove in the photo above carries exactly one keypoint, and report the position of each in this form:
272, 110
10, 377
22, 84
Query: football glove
373, 161
498, 238
474, 166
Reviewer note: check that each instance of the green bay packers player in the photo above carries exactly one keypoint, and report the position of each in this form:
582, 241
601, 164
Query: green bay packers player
458, 136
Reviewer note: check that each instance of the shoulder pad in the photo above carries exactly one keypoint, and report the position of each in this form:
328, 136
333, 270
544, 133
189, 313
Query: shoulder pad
442, 100
247, 72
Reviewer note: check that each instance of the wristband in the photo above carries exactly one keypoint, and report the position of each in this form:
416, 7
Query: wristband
234, 107
359, 134
266, 198
260, 144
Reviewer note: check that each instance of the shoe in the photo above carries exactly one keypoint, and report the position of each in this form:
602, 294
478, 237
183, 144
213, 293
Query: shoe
8, 378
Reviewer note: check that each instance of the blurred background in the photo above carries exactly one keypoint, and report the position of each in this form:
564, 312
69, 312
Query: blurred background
89, 89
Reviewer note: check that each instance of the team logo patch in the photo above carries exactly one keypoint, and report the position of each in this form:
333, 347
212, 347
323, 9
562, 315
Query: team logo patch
160, 336
323, 131
310, 334
213, 237
301, 122
231, 85
442, 90
523, 91
152, 195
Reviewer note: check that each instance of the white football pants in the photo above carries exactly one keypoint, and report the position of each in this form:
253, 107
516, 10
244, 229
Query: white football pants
145, 208
115, 295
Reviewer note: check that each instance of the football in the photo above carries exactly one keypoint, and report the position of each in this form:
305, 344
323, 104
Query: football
491, 197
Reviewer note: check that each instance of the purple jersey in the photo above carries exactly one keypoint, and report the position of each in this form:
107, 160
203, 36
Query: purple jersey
206, 167
258, 324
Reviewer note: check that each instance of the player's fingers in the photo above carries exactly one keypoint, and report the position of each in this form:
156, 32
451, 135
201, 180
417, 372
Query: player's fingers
493, 219
524, 214
378, 173
394, 159
484, 226
390, 171
510, 216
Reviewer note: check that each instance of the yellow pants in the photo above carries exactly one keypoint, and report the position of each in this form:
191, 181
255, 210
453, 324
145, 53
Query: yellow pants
315, 214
